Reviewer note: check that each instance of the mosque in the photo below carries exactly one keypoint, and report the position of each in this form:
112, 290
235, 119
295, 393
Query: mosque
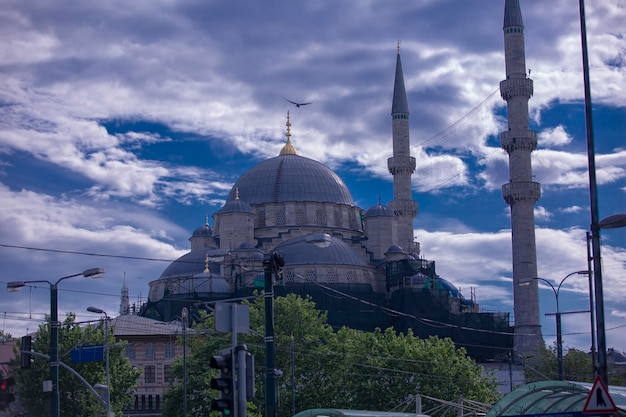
362, 266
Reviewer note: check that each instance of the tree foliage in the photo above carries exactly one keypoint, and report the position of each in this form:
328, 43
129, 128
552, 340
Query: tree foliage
75, 398
321, 368
577, 366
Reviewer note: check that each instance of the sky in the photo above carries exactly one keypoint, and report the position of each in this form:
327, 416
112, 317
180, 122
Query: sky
123, 125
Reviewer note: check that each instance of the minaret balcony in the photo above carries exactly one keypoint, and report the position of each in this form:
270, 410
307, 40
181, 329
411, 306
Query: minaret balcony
404, 207
516, 87
519, 139
401, 164
514, 192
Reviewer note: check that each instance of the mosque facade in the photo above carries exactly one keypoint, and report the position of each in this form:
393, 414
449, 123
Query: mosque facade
362, 266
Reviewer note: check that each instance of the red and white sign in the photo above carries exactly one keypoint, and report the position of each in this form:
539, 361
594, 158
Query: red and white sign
599, 400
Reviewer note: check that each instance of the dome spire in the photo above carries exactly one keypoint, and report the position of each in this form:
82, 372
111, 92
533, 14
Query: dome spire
288, 149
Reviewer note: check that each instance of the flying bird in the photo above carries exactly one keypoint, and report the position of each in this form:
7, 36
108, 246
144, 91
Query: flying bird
298, 104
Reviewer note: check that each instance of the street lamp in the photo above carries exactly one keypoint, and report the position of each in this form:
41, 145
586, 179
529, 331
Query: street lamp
185, 317
559, 334
272, 265
55, 409
106, 350
611, 222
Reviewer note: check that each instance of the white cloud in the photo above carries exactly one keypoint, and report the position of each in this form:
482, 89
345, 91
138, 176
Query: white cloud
553, 137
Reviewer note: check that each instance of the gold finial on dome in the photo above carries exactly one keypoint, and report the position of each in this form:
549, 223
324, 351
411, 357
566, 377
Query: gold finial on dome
398, 47
237, 193
206, 264
207, 220
288, 149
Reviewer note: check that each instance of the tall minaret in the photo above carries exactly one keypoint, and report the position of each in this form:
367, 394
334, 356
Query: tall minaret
402, 165
521, 192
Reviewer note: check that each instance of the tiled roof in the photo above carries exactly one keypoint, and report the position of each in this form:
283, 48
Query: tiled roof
130, 325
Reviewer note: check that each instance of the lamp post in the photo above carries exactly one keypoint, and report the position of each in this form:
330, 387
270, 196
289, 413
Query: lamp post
272, 264
185, 317
611, 222
559, 334
106, 352
55, 409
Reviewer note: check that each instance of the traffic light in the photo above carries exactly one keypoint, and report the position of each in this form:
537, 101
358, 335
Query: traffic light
26, 347
225, 383
6, 397
249, 385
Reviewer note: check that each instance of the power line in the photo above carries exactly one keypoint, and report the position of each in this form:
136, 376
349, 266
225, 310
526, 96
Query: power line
101, 255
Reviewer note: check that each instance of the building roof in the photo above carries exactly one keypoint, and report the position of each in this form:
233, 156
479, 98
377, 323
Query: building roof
131, 325
548, 397
334, 412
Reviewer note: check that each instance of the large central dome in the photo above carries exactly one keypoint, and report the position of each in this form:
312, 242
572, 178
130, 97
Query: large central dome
290, 178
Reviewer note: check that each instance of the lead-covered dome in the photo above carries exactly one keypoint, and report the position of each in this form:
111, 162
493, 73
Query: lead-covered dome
291, 178
315, 249
379, 210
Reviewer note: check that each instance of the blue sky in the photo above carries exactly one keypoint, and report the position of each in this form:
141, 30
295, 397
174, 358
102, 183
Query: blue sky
122, 125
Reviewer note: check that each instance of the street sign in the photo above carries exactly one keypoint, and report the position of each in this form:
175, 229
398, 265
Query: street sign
232, 317
87, 354
599, 400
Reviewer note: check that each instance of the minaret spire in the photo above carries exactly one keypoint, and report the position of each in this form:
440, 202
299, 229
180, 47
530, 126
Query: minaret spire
521, 192
402, 165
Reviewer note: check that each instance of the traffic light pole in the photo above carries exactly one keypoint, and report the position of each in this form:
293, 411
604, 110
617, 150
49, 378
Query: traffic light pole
73, 372
270, 387
240, 355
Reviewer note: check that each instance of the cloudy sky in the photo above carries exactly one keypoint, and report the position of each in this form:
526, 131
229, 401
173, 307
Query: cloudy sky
123, 124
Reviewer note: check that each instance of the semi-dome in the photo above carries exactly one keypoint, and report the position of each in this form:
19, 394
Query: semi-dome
193, 263
288, 178
311, 250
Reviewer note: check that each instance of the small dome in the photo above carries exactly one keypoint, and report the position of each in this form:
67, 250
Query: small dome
394, 249
379, 210
203, 231
237, 206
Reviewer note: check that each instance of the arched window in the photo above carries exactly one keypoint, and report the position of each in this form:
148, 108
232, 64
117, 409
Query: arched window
169, 350
130, 351
149, 350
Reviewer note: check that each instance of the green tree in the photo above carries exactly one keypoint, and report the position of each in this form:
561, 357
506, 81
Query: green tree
577, 366
323, 368
5, 337
75, 398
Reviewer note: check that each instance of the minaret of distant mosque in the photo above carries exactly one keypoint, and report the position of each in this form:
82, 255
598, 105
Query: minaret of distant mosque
124, 299
402, 165
521, 192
